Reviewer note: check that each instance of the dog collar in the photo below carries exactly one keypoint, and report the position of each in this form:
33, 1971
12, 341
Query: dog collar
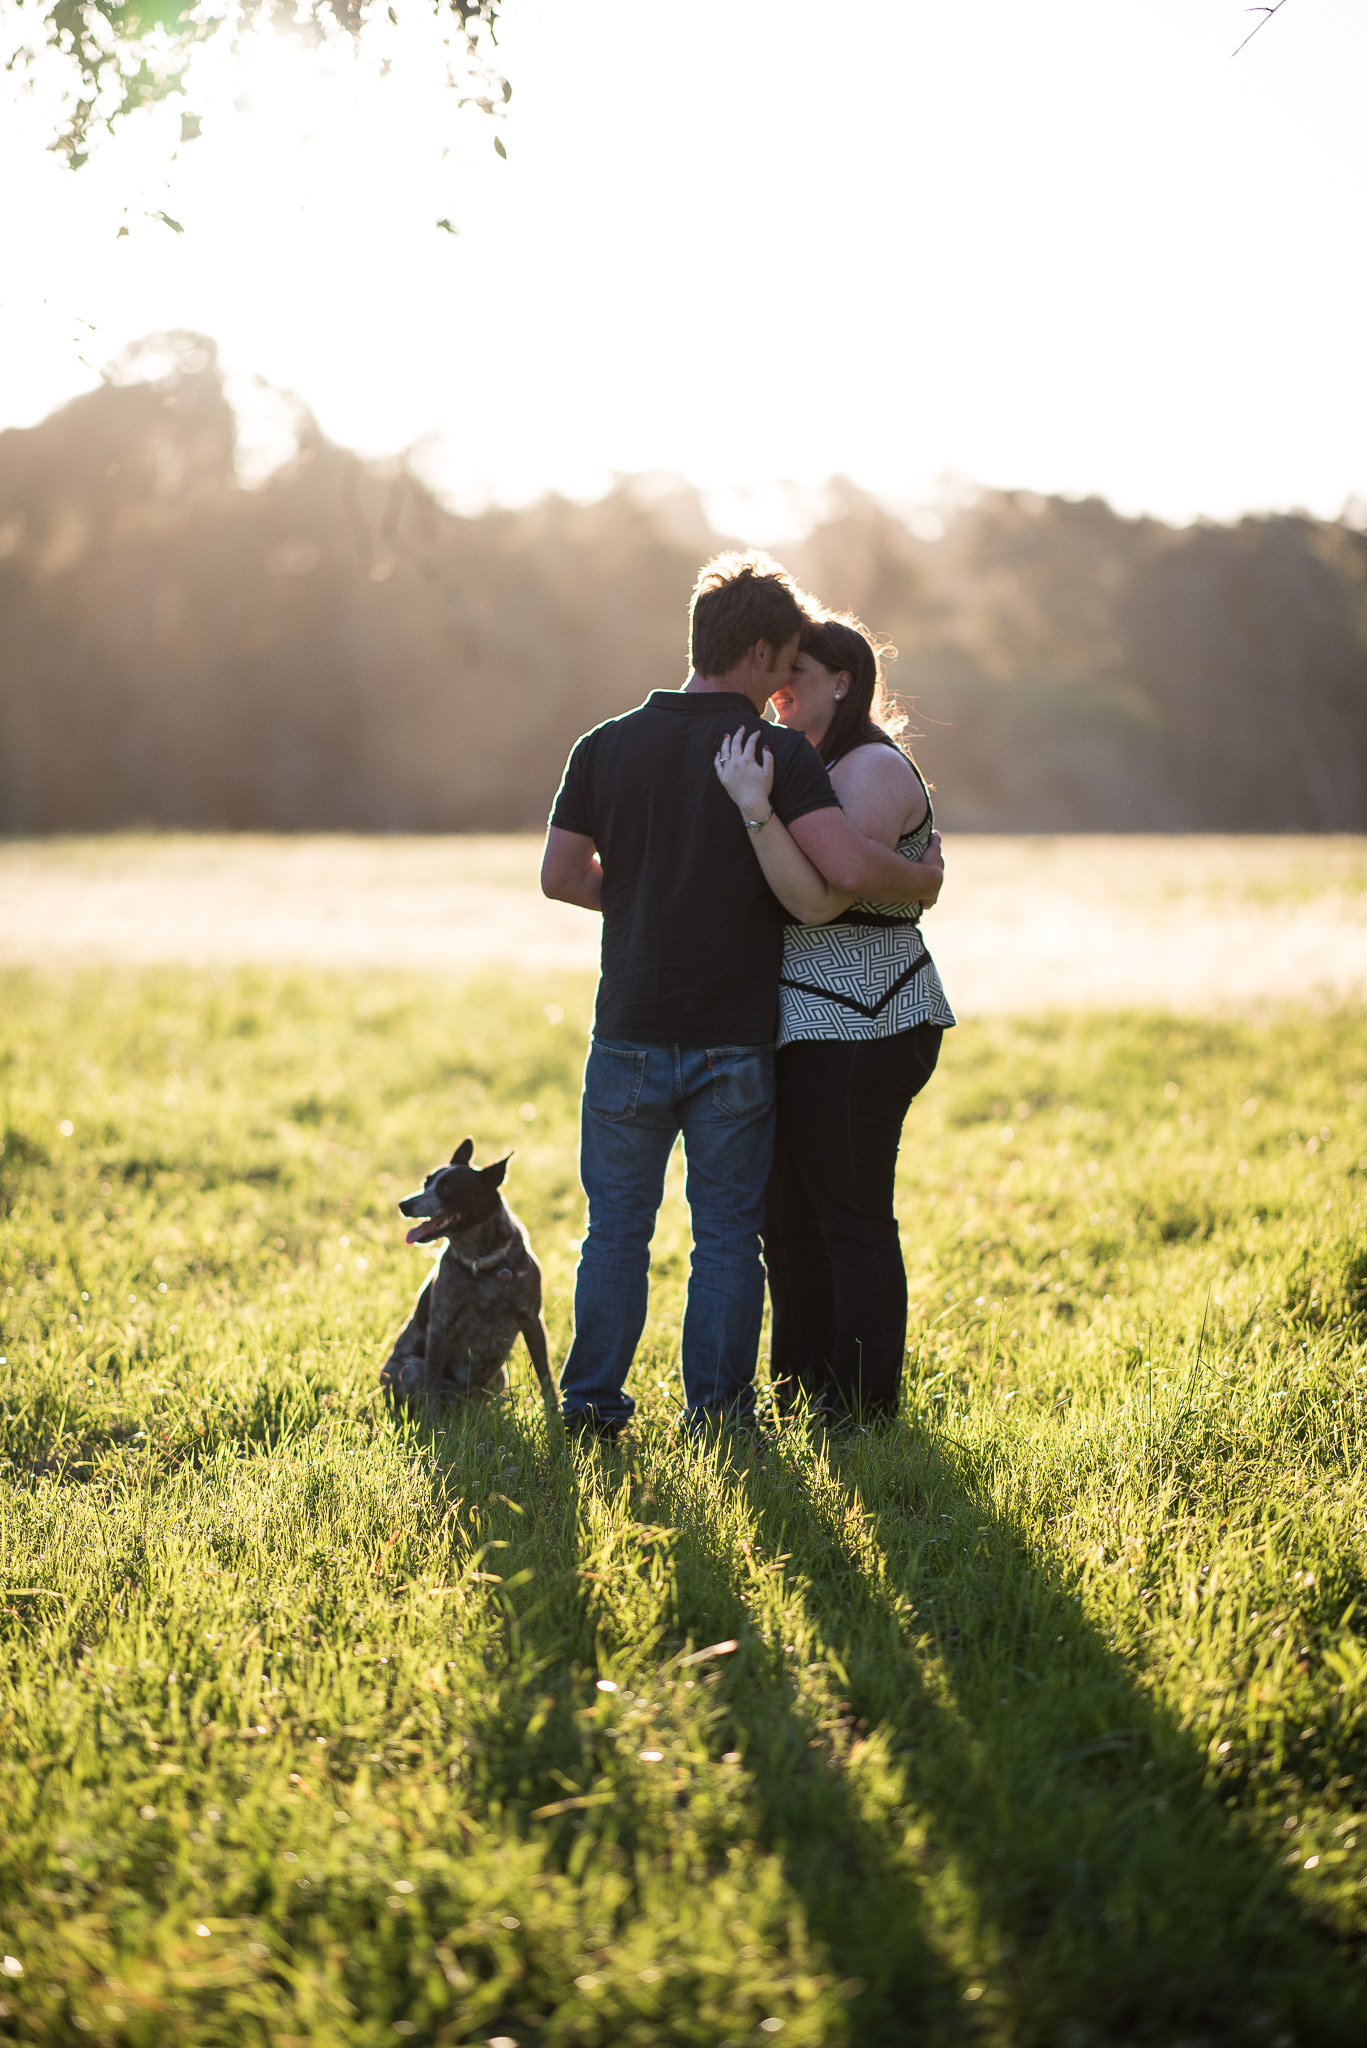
482, 1265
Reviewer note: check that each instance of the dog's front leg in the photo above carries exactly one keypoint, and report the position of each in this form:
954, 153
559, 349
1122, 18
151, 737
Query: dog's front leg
403, 1376
533, 1330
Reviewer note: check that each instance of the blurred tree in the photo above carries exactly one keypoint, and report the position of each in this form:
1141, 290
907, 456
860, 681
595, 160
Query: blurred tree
1069, 669
1251, 641
120, 55
335, 649
331, 650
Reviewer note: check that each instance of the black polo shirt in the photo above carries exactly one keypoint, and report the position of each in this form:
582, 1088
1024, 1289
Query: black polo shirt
692, 936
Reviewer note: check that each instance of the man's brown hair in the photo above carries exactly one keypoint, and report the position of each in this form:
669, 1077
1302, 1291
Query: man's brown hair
737, 600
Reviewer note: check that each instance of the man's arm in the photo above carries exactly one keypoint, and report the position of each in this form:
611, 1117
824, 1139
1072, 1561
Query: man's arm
571, 871
860, 869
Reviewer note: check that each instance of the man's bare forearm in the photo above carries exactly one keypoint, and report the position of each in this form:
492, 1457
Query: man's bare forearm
894, 879
571, 871
860, 867
586, 892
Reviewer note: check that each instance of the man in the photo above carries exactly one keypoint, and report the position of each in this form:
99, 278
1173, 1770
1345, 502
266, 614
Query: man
642, 831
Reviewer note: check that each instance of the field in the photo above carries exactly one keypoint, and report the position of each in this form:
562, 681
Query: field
1039, 1719
1188, 924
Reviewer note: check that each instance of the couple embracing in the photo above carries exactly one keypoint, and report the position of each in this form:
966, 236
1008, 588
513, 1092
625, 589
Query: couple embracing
765, 992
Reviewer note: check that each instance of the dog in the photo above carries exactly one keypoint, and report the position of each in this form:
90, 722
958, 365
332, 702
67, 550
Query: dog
484, 1291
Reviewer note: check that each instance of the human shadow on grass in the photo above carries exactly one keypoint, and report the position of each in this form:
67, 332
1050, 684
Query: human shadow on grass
509, 1498
1117, 1898
557, 1633
1107, 1893
863, 1901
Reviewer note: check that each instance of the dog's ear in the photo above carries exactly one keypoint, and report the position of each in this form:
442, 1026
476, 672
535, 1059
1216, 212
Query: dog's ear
494, 1174
463, 1154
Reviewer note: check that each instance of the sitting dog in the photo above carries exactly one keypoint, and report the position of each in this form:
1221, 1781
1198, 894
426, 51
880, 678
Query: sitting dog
484, 1289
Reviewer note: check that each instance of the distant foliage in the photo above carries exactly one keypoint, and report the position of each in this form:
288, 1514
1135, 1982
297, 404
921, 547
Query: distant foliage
1073, 670
336, 650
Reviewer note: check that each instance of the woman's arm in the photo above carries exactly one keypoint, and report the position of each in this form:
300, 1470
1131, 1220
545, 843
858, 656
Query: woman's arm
831, 859
880, 793
748, 778
881, 798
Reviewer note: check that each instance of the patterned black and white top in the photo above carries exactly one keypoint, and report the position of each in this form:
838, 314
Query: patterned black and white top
867, 974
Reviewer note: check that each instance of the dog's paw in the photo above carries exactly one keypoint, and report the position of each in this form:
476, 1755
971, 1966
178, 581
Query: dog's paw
404, 1381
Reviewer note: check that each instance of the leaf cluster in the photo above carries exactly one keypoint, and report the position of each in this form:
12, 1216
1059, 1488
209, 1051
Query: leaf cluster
121, 56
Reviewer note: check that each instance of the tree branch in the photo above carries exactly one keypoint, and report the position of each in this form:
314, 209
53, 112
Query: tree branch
1267, 13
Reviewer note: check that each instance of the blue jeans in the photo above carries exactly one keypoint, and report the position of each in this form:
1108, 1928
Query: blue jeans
637, 1099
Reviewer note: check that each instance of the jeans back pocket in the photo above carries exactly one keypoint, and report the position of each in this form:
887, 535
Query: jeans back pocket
742, 1079
613, 1079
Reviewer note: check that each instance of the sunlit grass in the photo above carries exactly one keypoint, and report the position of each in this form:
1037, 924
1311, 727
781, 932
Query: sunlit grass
1044, 1718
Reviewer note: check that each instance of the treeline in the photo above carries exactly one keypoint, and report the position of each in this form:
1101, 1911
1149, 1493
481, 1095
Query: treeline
336, 650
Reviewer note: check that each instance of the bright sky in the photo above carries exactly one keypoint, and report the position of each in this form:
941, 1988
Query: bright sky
1068, 244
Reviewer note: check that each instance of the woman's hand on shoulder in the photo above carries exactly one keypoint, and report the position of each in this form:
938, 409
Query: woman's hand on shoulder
880, 792
745, 774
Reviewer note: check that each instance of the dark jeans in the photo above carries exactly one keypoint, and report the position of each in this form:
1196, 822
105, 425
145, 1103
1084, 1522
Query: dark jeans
637, 1099
836, 1278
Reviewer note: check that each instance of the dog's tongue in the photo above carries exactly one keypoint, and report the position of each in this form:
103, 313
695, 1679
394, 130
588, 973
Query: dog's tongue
415, 1233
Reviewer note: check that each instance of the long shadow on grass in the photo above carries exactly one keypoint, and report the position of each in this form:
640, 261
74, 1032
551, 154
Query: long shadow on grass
863, 1899
511, 1500
1109, 1877
1106, 1894
555, 1631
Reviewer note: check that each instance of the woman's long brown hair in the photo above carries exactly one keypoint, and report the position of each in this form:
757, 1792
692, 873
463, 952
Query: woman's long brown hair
864, 717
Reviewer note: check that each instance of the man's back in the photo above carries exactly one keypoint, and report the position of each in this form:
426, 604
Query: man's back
692, 937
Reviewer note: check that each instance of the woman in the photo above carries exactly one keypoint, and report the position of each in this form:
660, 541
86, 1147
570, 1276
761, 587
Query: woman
861, 1015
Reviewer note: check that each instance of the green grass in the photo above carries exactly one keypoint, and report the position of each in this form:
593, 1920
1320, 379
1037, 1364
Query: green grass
1044, 1720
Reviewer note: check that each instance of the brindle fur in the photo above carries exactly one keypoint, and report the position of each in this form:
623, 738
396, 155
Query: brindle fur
474, 1304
